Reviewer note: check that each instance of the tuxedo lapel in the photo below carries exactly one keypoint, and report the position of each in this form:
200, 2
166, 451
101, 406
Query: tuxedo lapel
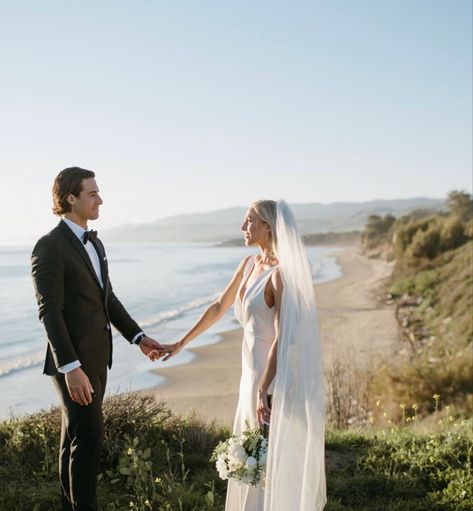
79, 247
98, 245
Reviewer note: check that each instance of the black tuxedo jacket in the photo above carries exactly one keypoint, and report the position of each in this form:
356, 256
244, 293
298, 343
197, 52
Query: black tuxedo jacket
73, 307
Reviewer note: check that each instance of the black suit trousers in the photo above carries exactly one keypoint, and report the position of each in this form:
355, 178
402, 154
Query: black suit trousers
81, 445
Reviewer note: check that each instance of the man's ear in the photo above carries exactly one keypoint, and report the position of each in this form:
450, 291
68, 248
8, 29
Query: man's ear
70, 199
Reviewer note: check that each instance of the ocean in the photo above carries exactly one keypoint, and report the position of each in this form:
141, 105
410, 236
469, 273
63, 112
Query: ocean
164, 286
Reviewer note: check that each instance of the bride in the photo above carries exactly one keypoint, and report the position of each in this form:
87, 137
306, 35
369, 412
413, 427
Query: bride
274, 301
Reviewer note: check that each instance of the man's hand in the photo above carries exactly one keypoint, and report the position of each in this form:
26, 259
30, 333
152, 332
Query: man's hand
79, 386
147, 345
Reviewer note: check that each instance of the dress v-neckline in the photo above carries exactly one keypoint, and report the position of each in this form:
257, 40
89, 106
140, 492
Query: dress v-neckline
248, 286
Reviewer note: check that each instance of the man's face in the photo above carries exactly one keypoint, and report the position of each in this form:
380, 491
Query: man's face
86, 206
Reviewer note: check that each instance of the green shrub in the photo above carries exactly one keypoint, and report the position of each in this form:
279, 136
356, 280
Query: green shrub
425, 244
468, 229
452, 234
406, 228
426, 282
402, 286
460, 204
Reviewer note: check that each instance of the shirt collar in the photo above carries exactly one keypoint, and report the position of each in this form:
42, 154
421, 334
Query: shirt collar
75, 228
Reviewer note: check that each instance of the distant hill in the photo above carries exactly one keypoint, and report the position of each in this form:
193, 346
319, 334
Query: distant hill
225, 224
321, 238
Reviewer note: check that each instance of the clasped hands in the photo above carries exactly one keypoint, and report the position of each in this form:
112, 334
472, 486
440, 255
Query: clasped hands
155, 350
165, 351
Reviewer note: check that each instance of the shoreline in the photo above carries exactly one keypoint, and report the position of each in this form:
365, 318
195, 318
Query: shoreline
351, 318
21, 365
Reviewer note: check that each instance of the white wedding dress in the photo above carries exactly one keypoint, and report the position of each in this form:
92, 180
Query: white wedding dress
257, 320
295, 471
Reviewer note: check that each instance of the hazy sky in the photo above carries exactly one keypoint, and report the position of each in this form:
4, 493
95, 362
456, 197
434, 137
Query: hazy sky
183, 106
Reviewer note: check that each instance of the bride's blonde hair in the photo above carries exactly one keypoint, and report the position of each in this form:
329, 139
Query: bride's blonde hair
266, 210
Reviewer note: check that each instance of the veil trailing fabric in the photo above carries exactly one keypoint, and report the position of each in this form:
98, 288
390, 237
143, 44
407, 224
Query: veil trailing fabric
295, 477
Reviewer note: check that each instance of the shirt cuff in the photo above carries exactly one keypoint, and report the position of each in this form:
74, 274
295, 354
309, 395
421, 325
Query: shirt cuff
137, 337
69, 367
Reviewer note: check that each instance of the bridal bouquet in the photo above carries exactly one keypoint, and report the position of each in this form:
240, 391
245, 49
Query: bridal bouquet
242, 457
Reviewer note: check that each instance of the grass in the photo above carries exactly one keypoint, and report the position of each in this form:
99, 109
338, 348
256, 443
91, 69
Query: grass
153, 460
399, 471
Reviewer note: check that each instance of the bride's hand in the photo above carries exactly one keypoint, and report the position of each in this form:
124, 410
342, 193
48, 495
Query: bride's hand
166, 350
263, 411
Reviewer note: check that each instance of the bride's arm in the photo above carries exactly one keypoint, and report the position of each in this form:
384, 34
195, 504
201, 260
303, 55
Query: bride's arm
263, 410
210, 316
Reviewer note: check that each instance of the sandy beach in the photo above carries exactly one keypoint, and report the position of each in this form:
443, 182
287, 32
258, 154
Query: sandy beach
353, 324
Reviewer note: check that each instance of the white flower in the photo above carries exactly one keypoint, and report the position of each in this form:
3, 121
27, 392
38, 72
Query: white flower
233, 465
237, 454
222, 467
233, 461
251, 464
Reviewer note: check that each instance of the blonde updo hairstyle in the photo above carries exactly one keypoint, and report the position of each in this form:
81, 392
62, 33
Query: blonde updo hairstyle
266, 210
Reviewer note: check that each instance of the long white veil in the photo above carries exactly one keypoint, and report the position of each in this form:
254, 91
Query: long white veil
295, 478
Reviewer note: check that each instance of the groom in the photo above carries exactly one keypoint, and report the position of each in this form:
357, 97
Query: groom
77, 306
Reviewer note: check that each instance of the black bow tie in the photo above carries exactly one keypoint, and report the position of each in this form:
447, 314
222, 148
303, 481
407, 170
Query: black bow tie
89, 236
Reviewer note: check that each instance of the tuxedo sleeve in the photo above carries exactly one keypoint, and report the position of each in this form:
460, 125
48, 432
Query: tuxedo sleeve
48, 280
120, 318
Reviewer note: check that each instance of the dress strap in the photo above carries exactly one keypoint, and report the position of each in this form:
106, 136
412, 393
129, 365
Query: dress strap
272, 269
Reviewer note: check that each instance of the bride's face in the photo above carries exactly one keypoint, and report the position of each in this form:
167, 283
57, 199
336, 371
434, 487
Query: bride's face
255, 231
